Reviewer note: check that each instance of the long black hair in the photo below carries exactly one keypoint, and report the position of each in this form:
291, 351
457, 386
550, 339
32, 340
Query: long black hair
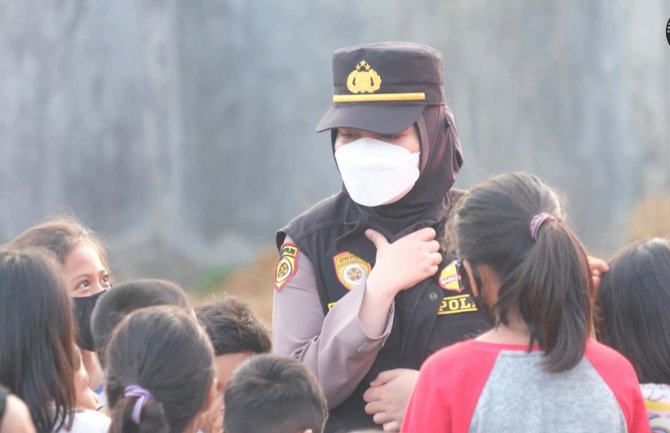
632, 306
37, 337
163, 350
546, 280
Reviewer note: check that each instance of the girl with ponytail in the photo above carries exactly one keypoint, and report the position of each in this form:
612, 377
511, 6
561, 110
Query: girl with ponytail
537, 369
160, 372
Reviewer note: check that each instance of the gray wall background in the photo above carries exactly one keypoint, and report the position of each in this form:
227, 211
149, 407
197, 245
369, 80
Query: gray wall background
182, 131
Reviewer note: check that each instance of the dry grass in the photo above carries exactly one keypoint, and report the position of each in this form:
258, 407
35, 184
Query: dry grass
650, 218
253, 284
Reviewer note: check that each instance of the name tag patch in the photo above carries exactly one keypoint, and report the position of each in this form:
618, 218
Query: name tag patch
456, 304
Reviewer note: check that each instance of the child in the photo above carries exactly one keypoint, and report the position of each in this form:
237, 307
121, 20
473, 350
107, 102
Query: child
159, 371
37, 352
537, 369
14, 414
274, 394
127, 297
86, 272
633, 318
236, 335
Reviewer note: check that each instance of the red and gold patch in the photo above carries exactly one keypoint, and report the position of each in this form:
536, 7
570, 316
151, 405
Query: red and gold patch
287, 265
350, 269
450, 279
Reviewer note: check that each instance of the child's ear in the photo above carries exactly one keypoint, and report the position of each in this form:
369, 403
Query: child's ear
211, 396
471, 279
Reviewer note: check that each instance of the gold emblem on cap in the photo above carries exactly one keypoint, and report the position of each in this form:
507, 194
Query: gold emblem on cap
363, 79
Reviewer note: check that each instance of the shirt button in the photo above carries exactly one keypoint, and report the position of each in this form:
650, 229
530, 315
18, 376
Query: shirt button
432, 296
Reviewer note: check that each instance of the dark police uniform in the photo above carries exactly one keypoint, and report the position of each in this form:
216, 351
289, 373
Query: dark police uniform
427, 317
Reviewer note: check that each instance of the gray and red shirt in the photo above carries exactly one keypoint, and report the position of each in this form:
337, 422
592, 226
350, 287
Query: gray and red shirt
478, 387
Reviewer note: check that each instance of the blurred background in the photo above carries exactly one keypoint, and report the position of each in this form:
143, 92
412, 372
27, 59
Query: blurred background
183, 131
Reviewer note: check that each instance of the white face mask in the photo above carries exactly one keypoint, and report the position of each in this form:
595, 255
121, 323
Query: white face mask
376, 172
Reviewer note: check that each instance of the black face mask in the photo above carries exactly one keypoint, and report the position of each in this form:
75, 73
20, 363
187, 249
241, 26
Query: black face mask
83, 310
482, 309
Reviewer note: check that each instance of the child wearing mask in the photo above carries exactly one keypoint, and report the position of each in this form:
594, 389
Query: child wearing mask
87, 276
538, 369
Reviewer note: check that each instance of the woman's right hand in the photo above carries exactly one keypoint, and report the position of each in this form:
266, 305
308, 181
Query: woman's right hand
403, 263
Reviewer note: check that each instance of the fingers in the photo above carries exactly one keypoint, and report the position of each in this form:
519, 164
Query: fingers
382, 418
392, 426
425, 234
598, 268
386, 376
374, 407
376, 238
372, 394
597, 265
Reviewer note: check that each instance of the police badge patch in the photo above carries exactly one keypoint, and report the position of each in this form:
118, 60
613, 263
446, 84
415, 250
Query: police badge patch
287, 265
350, 269
450, 279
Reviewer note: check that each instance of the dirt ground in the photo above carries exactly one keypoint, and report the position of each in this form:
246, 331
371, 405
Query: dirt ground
253, 284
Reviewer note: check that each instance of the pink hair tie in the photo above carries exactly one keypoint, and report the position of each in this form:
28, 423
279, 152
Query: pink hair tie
537, 221
142, 395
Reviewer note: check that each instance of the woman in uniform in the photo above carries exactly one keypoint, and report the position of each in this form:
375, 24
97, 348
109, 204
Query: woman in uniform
364, 292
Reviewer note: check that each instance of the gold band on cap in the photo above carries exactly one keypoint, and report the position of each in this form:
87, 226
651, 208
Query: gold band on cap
379, 97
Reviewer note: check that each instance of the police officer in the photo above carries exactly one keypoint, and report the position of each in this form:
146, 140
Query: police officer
363, 292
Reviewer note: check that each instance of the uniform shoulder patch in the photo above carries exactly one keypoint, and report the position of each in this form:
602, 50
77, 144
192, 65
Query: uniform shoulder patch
449, 278
350, 269
287, 264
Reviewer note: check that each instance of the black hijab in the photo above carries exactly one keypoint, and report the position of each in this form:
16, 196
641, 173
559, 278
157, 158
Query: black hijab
427, 203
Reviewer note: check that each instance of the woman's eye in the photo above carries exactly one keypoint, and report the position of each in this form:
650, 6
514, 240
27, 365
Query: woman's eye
106, 280
83, 284
390, 137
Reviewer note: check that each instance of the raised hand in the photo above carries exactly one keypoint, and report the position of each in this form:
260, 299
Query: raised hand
402, 264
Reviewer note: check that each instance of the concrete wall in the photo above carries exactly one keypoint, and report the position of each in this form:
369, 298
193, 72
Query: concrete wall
182, 131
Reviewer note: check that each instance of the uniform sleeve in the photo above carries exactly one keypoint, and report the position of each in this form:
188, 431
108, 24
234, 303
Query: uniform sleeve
332, 346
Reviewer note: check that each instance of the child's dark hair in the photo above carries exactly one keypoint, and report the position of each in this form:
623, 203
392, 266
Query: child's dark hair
632, 306
546, 279
232, 327
127, 297
280, 392
164, 351
37, 337
59, 235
